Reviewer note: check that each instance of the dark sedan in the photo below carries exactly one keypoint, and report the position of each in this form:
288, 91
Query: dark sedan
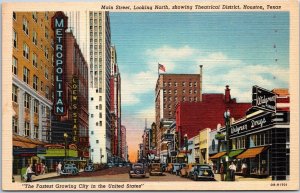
202, 172
137, 170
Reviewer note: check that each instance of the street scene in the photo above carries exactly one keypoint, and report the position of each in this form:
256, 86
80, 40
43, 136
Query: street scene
102, 96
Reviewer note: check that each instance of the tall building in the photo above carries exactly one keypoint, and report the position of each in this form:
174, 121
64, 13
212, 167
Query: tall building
92, 29
115, 104
99, 52
170, 90
32, 84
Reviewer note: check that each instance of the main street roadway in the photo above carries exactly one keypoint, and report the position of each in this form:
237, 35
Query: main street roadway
115, 174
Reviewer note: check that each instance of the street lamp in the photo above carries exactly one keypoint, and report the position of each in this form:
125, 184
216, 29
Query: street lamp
65, 137
186, 147
227, 125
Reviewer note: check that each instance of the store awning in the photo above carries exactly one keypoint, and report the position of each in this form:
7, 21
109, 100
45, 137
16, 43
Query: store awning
23, 144
235, 152
218, 155
251, 153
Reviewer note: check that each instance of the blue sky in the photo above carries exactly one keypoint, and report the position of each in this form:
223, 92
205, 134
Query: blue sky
235, 48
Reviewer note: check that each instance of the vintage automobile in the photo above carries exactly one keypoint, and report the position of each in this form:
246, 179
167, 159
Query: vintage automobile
169, 168
202, 172
89, 167
184, 171
137, 170
175, 169
155, 168
69, 169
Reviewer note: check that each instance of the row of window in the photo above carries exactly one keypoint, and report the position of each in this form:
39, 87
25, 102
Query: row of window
191, 99
100, 116
26, 49
183, 91
26, 75
182, 83
27, 130
27, 99
258, 139
34, 16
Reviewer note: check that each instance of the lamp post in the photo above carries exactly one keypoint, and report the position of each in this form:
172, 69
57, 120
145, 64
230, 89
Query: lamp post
65, 137
186, 147
227, 125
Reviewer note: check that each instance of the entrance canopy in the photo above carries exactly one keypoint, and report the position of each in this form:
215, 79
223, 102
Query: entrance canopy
251, 153
218, 155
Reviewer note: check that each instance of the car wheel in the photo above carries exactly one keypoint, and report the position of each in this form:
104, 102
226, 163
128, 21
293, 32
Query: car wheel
195, 176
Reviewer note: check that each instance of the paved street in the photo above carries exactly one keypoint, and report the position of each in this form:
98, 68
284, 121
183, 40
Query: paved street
117, 174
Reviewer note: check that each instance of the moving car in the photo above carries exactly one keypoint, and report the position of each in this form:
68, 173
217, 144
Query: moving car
89, 167
175, 169
155, 168
137, 170
202, 172
184, 171
69, 169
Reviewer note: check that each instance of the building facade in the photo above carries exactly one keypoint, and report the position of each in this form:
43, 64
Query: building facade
99, 52
32, 84
123, 143
192, 117
170, 90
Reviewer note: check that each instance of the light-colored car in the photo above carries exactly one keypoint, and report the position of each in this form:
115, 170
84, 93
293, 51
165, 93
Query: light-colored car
137, 170
185, 170
155, 168
69, 169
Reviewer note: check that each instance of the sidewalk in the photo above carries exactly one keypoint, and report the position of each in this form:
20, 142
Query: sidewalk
241, 178
40, 177
36, 178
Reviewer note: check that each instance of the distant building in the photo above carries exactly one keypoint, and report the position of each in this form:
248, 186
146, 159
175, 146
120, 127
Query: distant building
192, 117
170, 90
123, 142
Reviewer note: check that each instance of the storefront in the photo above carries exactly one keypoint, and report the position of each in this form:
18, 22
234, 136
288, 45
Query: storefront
203, 145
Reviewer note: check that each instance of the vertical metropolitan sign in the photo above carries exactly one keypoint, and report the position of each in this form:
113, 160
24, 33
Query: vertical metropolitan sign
75, 86
263, 99
59, 25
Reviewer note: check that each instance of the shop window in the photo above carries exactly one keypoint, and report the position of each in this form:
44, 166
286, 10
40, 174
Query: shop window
234, 144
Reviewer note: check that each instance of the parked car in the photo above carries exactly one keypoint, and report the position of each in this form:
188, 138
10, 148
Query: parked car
89, 167
69, 169
184, 171
110, 164
169, 168
164, 166
137, 170
202, 172
175, 169
155, 168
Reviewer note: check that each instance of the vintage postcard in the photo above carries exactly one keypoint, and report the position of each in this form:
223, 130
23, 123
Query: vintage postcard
139, 96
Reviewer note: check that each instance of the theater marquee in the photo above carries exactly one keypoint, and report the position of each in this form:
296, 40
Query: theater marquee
59, 25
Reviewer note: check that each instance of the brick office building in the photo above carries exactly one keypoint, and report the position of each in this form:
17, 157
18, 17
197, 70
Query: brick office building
192, 117
170, 90
75, 88
32, 85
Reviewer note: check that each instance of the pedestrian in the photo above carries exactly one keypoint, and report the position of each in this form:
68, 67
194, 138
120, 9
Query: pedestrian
222, 172
42, 169
244, 169
29, 173
58, 169
232, 169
